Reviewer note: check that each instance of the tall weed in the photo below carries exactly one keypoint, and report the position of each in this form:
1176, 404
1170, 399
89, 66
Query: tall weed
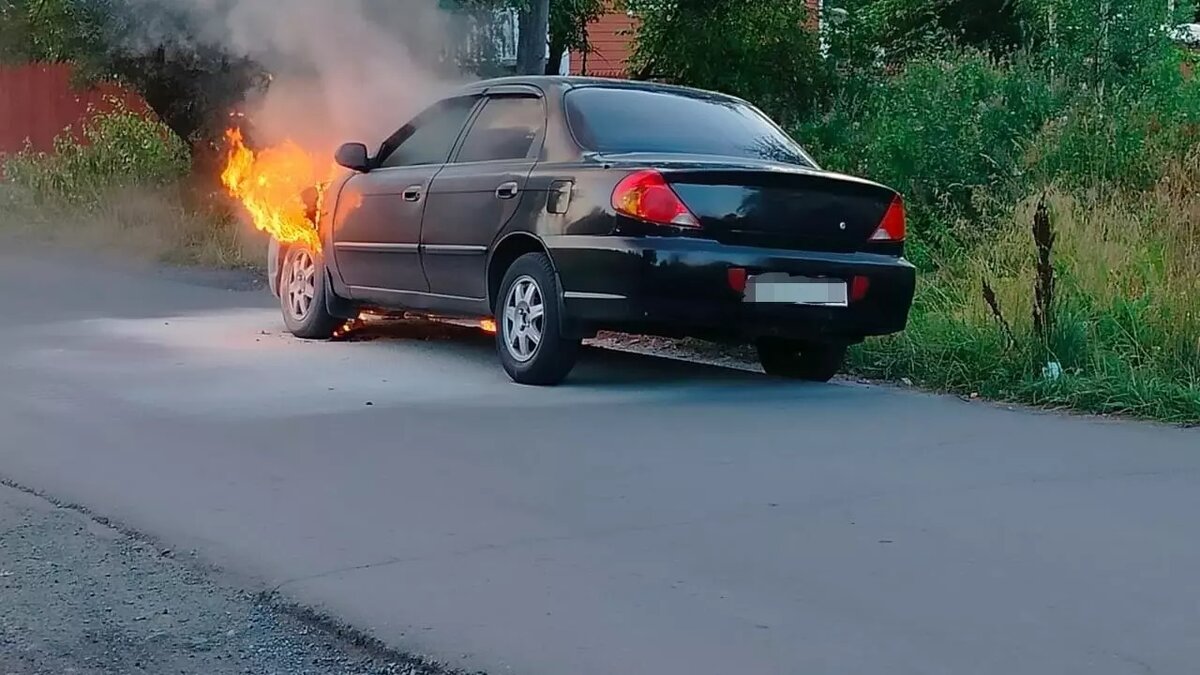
1127, 329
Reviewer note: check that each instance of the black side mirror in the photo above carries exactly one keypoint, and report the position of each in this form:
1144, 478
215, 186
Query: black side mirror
353, 156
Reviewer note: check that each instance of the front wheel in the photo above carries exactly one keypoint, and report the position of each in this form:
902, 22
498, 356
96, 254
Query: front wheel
813, 362
528, 335
302, 290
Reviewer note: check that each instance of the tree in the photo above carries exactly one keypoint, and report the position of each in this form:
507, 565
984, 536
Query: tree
567, 27
1100, 42
190, 86
896, 31
49, 30
767, 52
900, 26
535, 27
569, 21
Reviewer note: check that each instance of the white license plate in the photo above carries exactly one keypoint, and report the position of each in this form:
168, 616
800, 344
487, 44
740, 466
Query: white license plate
784, 289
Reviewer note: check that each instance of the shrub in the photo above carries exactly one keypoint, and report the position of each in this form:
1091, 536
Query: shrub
114, 149
1106, 122
121, 184
947, 132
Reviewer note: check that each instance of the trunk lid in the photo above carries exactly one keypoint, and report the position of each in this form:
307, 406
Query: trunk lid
770, 205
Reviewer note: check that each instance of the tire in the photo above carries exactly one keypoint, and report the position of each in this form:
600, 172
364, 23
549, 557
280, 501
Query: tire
302, 289
812, 362
528, 327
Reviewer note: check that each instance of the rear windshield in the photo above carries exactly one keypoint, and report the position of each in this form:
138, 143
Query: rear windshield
613, 120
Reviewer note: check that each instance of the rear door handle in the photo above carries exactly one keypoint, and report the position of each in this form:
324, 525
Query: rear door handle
413, 193
507, 190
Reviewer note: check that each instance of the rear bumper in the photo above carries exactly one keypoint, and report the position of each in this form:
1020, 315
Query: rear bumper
678, 286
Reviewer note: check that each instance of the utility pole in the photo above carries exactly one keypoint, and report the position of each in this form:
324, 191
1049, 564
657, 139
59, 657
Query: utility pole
534, 37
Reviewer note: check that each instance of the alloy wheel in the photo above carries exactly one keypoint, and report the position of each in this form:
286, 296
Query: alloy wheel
302, 285
524, 319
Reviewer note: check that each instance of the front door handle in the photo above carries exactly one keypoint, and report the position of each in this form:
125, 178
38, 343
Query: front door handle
507, 191
413, 193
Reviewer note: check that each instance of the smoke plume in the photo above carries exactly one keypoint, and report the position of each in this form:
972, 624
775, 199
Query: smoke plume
340, 70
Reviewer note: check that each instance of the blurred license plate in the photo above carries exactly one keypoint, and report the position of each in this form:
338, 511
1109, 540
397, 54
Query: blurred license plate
796, 291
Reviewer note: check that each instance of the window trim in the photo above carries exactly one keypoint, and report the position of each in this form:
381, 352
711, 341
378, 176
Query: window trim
379, 159
535, 148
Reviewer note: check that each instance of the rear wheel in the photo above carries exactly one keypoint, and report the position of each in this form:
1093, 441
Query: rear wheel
814, 362
302, 292
528, 332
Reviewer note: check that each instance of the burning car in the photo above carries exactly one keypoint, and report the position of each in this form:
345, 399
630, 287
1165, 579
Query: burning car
563, 206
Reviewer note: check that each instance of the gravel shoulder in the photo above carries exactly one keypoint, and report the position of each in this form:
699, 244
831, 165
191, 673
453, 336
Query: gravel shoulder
82, 597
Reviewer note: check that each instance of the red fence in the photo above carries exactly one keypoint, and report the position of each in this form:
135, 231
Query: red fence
37, 101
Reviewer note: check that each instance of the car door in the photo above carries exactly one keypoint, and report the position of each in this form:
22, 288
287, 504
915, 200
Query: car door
377, 222
478, 192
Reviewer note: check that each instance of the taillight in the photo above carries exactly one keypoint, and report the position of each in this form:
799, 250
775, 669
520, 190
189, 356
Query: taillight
738, 278
646, 196
859, 287
893, 226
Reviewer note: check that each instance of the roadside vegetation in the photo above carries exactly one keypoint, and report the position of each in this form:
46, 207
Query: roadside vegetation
121, 182
149, 183
1049, 155
1048, 152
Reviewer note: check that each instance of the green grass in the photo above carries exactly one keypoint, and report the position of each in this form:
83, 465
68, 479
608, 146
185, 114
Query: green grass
126, 190
146, 223
951, 355
1127, 311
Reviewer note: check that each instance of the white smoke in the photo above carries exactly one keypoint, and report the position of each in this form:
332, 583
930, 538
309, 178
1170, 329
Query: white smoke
341, 70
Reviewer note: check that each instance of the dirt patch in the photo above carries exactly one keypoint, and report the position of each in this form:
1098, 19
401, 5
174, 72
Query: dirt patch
82, 597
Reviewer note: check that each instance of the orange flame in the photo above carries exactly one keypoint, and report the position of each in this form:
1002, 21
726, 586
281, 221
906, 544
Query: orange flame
352, 325
270, 185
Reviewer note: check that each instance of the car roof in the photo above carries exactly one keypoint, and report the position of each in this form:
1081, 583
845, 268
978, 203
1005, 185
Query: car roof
565, 82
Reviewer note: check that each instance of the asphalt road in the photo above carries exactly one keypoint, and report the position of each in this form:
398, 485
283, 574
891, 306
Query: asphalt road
81, 598
648, 517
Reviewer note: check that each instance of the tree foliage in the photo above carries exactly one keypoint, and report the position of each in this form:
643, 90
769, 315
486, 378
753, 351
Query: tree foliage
765, 51
1103, 41
906, 27
50, 30
569, 21
191, 86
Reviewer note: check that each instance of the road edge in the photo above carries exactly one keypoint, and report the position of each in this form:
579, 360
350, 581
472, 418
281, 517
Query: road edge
334, 629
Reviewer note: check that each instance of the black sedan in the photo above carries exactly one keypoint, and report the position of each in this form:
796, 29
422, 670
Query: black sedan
564, 206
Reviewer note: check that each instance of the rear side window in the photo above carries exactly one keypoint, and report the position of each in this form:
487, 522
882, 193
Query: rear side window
505, 129
612, 120
429, 138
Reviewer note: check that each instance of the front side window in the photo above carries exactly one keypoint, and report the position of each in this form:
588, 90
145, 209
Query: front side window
505, 129
429, 138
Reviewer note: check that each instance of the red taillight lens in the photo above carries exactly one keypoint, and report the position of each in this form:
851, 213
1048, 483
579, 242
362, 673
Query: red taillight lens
646, 196
893, 226
859, 287
738, 278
